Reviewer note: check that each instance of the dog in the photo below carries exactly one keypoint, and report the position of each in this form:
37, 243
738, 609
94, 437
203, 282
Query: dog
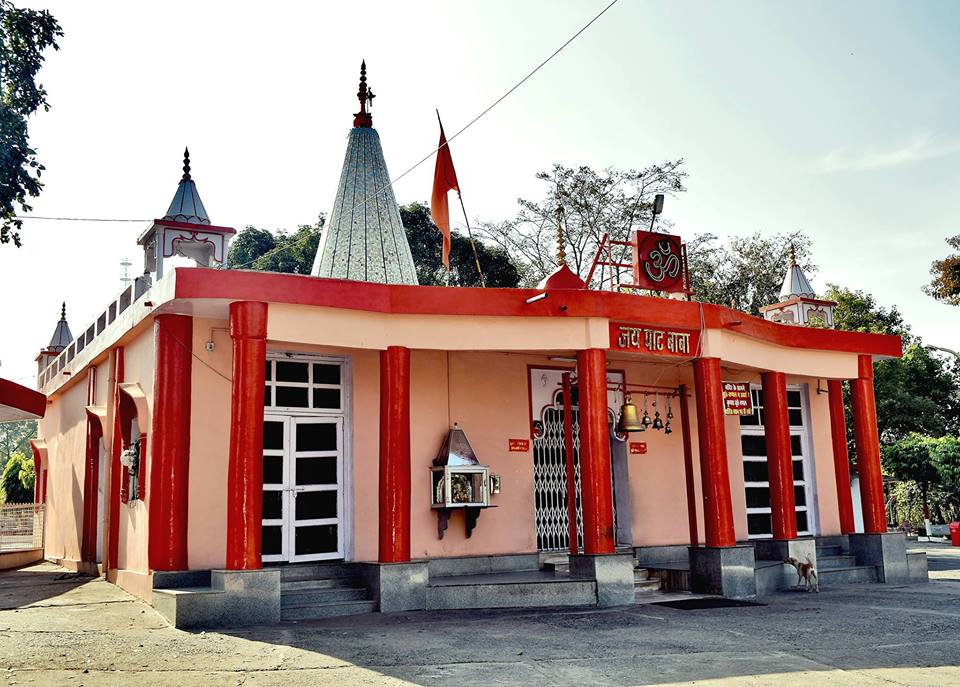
806, 573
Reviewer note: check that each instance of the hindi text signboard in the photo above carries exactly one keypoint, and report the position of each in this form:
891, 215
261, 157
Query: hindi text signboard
638, 448
736, 398
682, 343
518, 445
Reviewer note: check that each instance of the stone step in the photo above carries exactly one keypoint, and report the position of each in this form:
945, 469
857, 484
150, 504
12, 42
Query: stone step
640, 574
557, 564
330, 583
829, 550
857, 574
835, 562
327, 610
318, 571
321, 595
672, 579
646, 586
561, 592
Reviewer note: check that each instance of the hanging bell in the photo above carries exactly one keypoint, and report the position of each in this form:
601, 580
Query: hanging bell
657, 421
669, 411
666, 428
629, 420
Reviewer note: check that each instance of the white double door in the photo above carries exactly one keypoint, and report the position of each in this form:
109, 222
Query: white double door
302, 495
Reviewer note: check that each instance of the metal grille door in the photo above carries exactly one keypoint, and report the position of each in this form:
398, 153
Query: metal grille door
550, 481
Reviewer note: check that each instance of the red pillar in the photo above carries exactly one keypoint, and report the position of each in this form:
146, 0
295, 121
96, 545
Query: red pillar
91, 474
248, 329
868, 447
684, 403
170, 441
570, 464
714, 474
394, 486
113, 499
596, 484
38, 474
776, 431
841, 459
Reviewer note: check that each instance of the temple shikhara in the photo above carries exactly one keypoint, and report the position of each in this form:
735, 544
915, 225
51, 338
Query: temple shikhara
237, 447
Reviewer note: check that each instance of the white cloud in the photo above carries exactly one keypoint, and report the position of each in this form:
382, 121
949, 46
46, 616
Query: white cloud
921, 147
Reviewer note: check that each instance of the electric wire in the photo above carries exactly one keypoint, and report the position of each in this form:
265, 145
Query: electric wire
393, 181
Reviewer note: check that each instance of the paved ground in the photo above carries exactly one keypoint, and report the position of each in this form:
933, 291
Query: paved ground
56, 628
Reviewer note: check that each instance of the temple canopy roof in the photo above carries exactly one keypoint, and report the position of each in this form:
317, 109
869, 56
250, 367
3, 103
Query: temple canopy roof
186, 205
62, 336
795, 282
364, 239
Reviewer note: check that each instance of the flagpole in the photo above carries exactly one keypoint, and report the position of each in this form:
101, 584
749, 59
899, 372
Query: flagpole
476, 257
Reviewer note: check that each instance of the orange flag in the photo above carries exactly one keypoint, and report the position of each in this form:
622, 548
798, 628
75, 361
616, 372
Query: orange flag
444, 180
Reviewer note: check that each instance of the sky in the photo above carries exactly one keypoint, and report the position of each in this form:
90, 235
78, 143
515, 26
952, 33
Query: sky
836, 119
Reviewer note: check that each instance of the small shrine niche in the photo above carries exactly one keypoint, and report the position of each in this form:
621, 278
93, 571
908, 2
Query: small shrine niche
798, 303
184, 236
458, 481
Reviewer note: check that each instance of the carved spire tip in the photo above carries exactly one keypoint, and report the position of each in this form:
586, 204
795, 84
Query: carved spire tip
186, 163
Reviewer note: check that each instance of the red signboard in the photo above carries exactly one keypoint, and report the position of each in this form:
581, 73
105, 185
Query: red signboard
659, 262
518, 445
638, 448
736, 398
638, 338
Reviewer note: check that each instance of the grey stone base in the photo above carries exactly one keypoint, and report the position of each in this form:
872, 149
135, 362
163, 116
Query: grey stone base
888, 552
613, 574
917, 566
233, 599
398, 586
728, 571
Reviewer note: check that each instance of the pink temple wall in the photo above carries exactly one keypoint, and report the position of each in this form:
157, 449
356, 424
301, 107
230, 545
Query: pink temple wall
138, 364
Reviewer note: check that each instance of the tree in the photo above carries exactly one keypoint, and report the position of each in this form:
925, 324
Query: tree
593, 203
258, 249
945, 455
426, 245
916, 393
747, 273
24, 36
15, 438
858, 311
16, 482
909, 459
945, 285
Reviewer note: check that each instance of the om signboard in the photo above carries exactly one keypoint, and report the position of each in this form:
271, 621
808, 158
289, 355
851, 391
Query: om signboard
638, 338
659, 262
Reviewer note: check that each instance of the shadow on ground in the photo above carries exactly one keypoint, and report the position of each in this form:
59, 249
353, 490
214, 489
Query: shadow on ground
853, 635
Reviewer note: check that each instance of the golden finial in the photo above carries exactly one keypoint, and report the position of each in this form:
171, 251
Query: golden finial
561, 244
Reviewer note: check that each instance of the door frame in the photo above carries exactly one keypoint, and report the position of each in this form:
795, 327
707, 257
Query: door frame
346, 506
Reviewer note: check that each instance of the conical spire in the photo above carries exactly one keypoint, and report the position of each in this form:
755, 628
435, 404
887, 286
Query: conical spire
62, 337
365, 240
795, 282
186, 205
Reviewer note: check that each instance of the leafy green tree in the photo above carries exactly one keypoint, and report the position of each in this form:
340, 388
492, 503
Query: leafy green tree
594, 203
15, 438
24, 36
909, 459
746, 273
945, 455
945, 285
258, 249
16, 482
858, 311
426, 246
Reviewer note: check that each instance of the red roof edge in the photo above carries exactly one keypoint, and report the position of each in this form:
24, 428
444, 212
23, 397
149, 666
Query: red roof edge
21, 398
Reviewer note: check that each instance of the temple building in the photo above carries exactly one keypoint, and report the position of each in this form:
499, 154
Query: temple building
238, 447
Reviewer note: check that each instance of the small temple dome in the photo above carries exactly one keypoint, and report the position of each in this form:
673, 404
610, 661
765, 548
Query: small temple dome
62, 336
186, 205
795, 282
365, 239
